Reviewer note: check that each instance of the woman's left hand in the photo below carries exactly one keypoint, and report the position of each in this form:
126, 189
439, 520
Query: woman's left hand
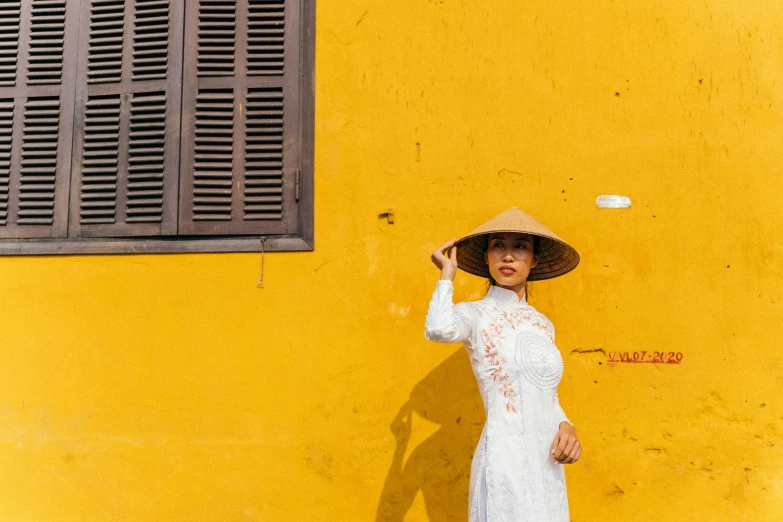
566, 448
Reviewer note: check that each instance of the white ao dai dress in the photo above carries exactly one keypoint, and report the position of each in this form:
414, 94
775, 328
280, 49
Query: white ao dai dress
518, 367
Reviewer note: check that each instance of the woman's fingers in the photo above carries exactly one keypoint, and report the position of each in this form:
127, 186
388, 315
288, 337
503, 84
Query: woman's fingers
555, 443
565, 445
444, 249
453, 255
562, 440
568, 455
577, 452
568, 449
445, 246
439, 256
574, 453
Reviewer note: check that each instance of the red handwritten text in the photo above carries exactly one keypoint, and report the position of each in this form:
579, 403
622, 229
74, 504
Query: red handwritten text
644, 357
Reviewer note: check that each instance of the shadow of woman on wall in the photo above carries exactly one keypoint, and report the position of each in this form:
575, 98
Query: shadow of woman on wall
439, 467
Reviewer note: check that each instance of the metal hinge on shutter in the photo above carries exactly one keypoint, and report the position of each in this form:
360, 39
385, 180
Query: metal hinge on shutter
296, 185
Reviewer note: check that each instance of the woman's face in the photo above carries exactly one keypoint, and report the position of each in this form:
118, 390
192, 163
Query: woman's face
510, 258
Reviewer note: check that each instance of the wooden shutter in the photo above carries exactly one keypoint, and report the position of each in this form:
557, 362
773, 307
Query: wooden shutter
37, 63
241, 121
126, 147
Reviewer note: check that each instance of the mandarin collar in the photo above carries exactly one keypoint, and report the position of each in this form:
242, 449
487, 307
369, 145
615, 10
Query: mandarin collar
504, 296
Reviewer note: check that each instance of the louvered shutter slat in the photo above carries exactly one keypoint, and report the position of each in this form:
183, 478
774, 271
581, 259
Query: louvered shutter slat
47, 34
99, 175
216, 37
213, 120
39, 163
266, 37
9, 38
264, 153
151, 35
105, 41
6, 124
146, 165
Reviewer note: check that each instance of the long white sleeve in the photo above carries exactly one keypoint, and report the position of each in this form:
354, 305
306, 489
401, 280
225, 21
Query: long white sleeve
447, 322
561, 416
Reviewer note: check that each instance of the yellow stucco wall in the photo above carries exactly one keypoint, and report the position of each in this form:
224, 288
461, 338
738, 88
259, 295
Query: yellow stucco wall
169, 387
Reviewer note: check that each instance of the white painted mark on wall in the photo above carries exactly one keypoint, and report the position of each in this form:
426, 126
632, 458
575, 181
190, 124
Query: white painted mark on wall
398, 310
612, 201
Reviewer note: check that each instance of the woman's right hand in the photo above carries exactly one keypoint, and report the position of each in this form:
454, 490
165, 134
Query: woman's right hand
446, 260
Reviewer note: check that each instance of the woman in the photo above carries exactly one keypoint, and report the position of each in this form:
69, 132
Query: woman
517, 473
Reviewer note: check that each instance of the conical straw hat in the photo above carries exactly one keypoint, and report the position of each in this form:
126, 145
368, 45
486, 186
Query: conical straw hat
555, 256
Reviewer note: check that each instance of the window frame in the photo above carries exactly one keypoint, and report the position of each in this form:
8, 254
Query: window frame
302, 240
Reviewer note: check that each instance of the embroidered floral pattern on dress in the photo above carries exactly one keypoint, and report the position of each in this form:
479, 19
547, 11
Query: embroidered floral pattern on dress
493, 336
544, 329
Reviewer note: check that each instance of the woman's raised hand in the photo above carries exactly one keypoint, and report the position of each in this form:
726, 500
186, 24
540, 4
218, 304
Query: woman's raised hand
445, 258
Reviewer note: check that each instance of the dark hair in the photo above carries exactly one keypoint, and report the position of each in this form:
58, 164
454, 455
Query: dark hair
536, 247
